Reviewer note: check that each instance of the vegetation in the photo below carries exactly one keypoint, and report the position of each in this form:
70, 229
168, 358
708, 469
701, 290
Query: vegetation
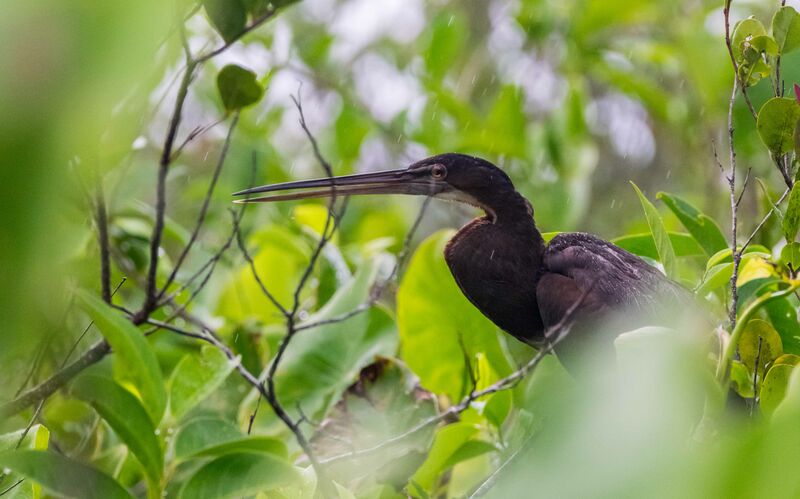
160, 341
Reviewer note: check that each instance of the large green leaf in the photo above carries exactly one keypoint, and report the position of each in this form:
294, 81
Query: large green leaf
644, 245
238, 475
204, 437
126, 416
704, 229
435, 319
227, 16
62, 476
666, 253
777, 121
786, 29
195, 377
759, 345
321, 362
744, 30
134, 359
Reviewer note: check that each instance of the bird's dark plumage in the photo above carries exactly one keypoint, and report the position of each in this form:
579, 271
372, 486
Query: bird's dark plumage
502, 264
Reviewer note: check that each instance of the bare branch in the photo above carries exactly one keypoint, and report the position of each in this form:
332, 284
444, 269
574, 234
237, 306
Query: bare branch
204, 207
764, 219
101, 219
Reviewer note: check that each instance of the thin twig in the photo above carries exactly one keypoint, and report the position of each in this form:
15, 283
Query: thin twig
764, 219
736, 253
255, 24
201, 217
103, 242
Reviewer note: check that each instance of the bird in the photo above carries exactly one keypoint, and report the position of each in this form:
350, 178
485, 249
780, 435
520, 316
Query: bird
503, 266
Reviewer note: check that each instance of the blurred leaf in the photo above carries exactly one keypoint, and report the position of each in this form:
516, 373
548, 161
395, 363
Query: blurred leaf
134, 360
787, 359
468, 450
210, 437
448, 35
385, 402
432, 314
783, 316
62, 476
773, 389
37, 438
777, 121
238, 87
791, 220
351, 128
125, 415
196, 377
704, 229
786, 29
742, 380
665, 251
227, 16
237, 475
759, 340
643, 244
449, 439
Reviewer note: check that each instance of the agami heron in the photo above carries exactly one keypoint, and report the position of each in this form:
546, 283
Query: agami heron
500, 260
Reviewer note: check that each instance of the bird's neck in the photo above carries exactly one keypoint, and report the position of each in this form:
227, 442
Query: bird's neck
495, 260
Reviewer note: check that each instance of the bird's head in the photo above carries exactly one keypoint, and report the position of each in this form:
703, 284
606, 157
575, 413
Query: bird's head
451, 176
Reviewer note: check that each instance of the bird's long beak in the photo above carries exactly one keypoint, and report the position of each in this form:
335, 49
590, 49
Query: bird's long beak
403, 181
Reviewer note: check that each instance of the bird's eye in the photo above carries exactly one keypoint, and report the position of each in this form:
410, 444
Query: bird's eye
438, 171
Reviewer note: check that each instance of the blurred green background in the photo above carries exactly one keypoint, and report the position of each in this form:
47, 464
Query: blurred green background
573, 98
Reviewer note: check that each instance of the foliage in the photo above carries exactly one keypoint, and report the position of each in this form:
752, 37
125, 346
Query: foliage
299, 348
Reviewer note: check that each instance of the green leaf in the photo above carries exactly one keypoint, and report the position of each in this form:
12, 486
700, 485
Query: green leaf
776, 124
773, 389
126, 416
745, 29
134, 359
195, 377
204, 437
238, 87
238, 475
37, 438
742, 379
666, 253
643, 244
783, 316
715, 277
227, 16
759, 340
790, 255
791, 220
704, 229
434, 319
62, 476
786, 29
448, 441
468, 450
448, 34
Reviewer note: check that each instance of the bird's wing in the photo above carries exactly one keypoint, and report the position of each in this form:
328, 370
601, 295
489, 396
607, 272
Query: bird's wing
617, 280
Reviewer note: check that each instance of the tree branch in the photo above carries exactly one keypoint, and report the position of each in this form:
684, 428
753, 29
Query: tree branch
557, 333
201, 218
